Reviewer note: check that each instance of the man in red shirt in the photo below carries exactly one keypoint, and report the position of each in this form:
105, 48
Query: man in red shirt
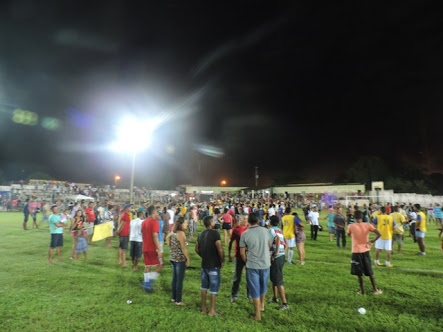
123, 232
151, 248
90, 220
239, 263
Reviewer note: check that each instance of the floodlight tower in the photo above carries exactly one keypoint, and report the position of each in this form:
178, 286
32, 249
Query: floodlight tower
134, 142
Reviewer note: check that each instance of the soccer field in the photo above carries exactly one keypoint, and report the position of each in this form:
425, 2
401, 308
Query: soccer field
92, 295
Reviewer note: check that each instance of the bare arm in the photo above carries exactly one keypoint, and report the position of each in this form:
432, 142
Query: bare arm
120, 227
221, 253
378, 234
197, 249
229, 250
277, 247
181, 238
243, 254
157, 244
73, 224
168, 239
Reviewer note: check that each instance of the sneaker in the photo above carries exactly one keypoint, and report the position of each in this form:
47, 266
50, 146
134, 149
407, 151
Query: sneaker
284, 307
302, 263
423, 253
233, 300
273, 300
378, 292
390, 265
379, 264
147, 288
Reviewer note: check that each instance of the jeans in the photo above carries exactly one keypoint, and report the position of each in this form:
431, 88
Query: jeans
210, 279
340, 232
314, 230
178, 275
258, 281
239, 265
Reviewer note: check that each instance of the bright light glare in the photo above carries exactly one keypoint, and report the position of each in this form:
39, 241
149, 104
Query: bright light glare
134, 135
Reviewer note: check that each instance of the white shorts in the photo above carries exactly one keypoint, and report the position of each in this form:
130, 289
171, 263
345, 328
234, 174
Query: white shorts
383, 244
420, 234
291, 242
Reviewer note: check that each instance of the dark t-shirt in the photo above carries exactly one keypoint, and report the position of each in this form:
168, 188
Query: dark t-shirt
339, 219
208, 250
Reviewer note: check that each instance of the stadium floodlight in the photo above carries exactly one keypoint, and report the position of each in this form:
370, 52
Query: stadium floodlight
134, 136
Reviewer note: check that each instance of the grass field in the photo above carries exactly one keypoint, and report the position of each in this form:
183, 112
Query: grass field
92, 295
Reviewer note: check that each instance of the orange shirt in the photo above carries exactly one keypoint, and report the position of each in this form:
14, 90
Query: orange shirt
360, 236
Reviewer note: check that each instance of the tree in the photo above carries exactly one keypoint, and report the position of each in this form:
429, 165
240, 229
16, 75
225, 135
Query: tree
367, 169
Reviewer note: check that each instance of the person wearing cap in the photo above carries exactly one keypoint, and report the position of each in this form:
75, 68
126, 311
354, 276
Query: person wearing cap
123, 232
56, 230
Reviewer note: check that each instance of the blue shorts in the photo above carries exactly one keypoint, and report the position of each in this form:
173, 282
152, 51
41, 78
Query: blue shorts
210, 279
420, 234
257, 281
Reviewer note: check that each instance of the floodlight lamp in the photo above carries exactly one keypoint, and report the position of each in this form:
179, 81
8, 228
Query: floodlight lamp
133, 136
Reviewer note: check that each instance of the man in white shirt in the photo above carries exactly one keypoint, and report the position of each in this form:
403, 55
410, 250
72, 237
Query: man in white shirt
271, 211
136, 239
313, 217
171, 212
101, 212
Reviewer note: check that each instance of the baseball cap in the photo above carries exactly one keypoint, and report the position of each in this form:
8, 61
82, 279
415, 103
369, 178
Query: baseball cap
127, 206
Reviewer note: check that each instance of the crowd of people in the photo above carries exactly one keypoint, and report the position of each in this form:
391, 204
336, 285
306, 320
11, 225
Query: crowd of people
265, 234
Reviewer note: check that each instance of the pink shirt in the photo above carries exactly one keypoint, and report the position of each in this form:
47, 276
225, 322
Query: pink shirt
360, 236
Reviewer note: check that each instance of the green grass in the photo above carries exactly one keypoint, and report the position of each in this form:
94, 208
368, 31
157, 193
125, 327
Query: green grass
92, 295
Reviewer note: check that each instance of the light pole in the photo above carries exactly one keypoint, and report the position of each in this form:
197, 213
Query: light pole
131, 186
134, 142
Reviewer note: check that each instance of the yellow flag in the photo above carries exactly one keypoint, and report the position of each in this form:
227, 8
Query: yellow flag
102, 231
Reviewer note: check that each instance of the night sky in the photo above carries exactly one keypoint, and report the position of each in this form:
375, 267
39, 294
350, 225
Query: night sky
290, 87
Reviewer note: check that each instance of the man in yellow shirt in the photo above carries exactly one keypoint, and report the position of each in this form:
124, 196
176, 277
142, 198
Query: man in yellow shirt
375, 212
420, 229
385, 225
399, 220
183, 210
288, 232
